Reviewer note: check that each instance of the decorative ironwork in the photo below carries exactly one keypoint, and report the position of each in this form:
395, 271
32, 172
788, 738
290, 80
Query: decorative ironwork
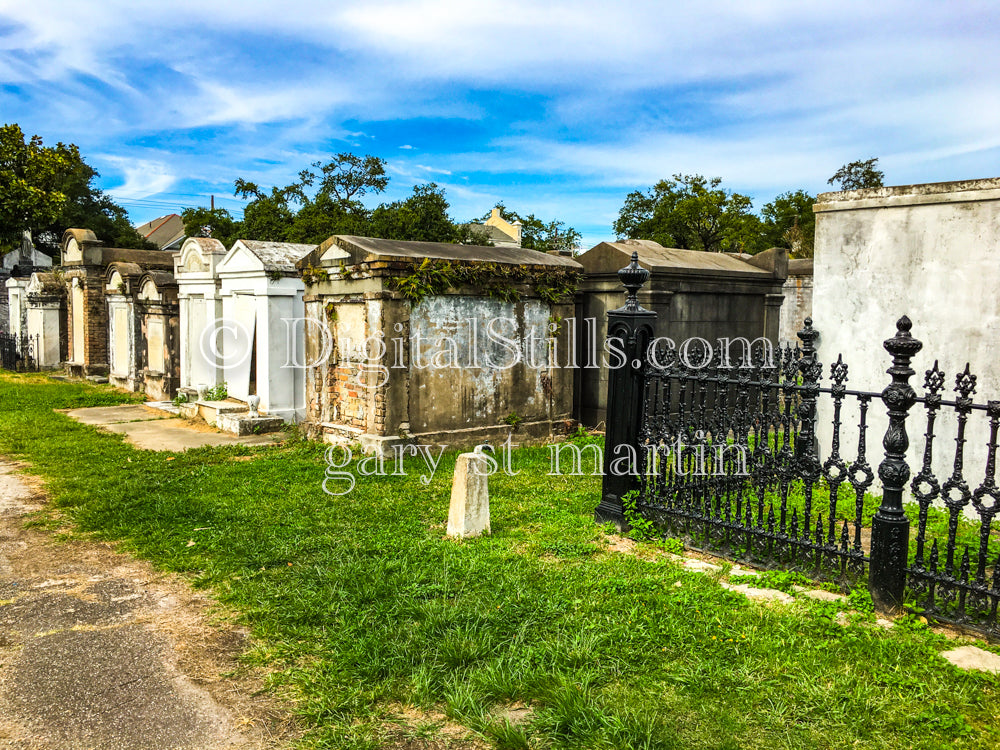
890, 526
728, 457
18, 353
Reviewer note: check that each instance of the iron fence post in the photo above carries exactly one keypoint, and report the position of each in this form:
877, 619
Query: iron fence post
632, 327
806, 447
890, 526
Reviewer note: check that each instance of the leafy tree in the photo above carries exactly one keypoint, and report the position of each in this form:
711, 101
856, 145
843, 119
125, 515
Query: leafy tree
789, 221
218, 224
347, 177
324, 216
537, 234
858, 175
323, 201
45, 190
422, 217
691, 212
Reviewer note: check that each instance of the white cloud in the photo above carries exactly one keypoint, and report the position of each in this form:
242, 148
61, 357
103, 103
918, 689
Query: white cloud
143, 177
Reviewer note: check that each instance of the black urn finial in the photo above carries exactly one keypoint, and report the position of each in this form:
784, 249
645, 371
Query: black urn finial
633, 276
902, 346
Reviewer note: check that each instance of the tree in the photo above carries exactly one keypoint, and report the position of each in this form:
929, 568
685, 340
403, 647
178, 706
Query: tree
789, 221
218, 224
422, 217
348, 176
537, 234
323, 201
691, 212
46, 190
30, 178
858, 175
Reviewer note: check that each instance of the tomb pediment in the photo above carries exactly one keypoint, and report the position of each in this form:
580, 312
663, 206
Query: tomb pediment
80, 246
157, 286
46, 284
199, 255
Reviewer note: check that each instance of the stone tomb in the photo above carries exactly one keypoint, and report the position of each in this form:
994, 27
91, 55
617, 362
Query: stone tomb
200, 302
385, 368
261, 339
798, 290
15, 269
46, 309
159, 322
123, 325
708, 295
85, 265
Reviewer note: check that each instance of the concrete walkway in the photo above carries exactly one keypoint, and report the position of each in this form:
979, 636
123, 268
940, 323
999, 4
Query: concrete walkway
154, 430
98, 650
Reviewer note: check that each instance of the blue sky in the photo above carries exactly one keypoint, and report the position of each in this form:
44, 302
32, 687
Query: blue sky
558, 109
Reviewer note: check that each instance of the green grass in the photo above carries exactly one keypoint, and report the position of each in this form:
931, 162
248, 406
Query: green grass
359, 604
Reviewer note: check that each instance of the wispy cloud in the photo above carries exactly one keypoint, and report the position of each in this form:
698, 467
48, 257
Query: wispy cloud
143, 178
563, 105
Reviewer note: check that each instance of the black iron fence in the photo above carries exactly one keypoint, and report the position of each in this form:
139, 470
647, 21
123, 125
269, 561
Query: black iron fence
18, 353
722, 451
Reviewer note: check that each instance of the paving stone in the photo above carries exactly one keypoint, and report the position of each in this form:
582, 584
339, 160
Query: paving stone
763, 594
973, 657
819, 594
701, 566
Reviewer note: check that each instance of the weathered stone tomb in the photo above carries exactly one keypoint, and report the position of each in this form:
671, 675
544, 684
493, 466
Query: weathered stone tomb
436, 343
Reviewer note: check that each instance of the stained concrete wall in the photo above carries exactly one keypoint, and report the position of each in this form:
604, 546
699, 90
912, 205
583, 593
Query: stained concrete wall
798, 291
437, 376
931, 252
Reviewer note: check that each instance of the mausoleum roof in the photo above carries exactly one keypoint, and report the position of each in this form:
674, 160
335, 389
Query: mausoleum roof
368, 249
608, 257
277, 256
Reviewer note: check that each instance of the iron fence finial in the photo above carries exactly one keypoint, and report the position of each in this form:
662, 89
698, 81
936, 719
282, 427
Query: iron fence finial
633, 276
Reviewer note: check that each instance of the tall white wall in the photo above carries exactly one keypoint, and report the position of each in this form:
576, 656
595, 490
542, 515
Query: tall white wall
931, 252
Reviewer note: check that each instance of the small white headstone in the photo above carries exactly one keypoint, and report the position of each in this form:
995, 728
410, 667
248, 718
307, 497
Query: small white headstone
469, 514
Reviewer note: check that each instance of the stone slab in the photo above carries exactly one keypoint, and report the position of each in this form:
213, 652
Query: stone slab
168, 406
469, 512
105, 415
819, 594
973, 657
752, 592
173, 435
244, 424
701, 566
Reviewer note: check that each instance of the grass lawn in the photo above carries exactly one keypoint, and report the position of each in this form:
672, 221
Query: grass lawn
365, 611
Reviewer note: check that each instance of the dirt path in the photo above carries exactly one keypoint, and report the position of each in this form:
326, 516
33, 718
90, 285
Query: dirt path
99, 650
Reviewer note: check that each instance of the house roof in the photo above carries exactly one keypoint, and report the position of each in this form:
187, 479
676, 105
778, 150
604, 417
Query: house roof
163, 231
496, 234
366, 249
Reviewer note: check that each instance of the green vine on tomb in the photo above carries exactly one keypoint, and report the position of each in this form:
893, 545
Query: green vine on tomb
498, 281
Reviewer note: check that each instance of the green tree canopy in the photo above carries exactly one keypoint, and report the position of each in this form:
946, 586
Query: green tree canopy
422, 217
858, 175
691, 212
216, 223
46, 189
789, 221
325, 200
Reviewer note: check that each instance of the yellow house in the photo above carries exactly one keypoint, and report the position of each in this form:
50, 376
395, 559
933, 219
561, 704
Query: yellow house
501, 232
